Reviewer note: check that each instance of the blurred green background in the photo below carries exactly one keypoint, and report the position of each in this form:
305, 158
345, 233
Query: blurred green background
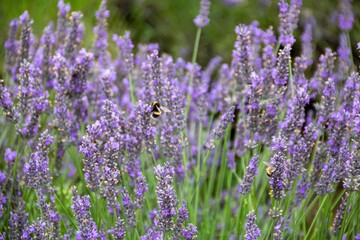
170, 22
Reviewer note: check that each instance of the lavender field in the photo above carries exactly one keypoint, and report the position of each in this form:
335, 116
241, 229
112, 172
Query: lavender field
108, 138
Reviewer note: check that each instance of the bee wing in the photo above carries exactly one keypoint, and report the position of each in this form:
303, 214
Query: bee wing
165, 109
267, 164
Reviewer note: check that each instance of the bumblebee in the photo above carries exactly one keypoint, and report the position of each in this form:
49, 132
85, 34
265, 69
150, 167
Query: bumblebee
269, 170
157, 109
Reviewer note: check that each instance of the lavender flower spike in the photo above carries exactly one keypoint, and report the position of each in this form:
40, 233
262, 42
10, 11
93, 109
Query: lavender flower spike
183, 215
202, 19
125, 46
37, 170
252, 230
219, 131
61, 29
87, 226
6, 103
26, 32
277, 230
241, 62
100, 30
340, 214
190, 232
166, 196
289, 16
346, 15
278, 177
251, 171
129, 208
90, 148
73, 40
11, 46
141, 188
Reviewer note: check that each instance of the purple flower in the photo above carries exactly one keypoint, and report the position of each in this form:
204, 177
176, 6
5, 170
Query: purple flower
241, 61
37, 168
153, 234
166, 196
299, 150
2, 203
129, 207
277, 179
349, 94
43, 60
141, 187
183, 215
219, 131
338, 132
254, 95
50, 216
302, 188
323, 71
155, 75
73, 38
295, 116
118, 232
340, 214
252, 230
328, 102
92, 156
9, 156
37, 230
299, 78
281, 73
18, 222
25, 39
346, 15
61, 109
79, 75
306, 43
61, 30
26, 89
202, 19
87, 228
6, 103
126, 58
251, 172
268, 122
277, 230
328, 176
190, 232
101, 41
11, 49
268, 60
289, 16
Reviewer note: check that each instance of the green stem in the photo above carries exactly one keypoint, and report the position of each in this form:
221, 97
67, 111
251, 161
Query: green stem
198, 170
14, 171
132, 96
349, 44
193, 61
67, 214
315, 218
309, 208
291, 79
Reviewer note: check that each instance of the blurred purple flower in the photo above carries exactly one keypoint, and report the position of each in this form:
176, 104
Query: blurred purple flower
252, 230
202, 19
249, 177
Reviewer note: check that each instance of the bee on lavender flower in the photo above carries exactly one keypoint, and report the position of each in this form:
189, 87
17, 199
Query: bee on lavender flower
269, 169
157, 109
